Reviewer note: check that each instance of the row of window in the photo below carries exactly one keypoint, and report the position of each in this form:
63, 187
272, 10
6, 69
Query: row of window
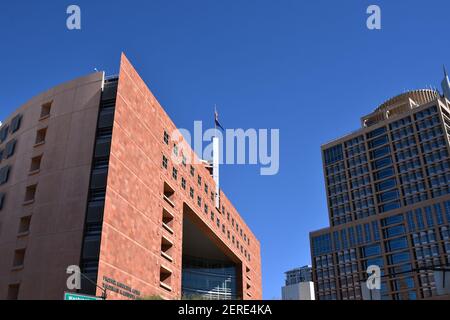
200, 203
11, 128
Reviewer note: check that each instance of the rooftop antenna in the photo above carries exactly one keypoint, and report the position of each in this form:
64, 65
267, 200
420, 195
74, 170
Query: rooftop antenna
446, 84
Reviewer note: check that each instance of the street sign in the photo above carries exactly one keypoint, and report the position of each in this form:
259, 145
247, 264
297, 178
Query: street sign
79, 297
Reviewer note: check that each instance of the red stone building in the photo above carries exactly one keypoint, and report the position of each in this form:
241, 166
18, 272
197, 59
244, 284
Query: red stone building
87, 179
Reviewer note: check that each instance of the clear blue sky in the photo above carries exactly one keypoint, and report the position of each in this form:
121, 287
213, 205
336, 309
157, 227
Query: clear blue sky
309, 68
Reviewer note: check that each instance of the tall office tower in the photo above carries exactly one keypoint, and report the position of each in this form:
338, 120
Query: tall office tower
298, 284
92, 174
388, 196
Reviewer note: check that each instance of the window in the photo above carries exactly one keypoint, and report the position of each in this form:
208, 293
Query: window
206, 188
370, 251
169, 194
167, 220
333, 154
165, 162
394, 231
183, 183
411, 224
175, 173
13, 291
36, 164
399, 258
30, 193
387, 184
166, 248
40, 136
192, 171
392, 220
165, 278
191, 193
103, 146
175, 150
4, 174
388, 196
99, 177
380, 163
106, 118
388, 172
390, 206
24, 225
166, 138
419, 218
397, 244
2, 200
438, 212
378, 142
4, 133
19, 258
199, 180
429, 217
380, 152
15, 123
9, 149
376, 132
199, 201
375, 229
46, 109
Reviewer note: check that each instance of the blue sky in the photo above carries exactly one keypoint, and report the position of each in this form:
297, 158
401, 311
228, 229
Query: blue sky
309, 68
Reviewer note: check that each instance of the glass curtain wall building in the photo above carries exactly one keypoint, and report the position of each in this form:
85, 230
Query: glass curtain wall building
209, 279
388, 196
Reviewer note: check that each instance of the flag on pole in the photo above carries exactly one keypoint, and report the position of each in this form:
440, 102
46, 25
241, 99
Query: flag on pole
216, 120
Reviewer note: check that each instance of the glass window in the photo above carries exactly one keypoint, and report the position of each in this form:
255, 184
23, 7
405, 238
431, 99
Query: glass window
333, 154
390, 206
399, 258
380, 163
388, 196
394, 231
370, 251
387, 184
411, 224
376, 132
388, 172
376, 232
392, 220
396, 244
380, 152
378, 141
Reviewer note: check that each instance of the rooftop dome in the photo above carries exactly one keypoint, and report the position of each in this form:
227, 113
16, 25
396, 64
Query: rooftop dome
421, 96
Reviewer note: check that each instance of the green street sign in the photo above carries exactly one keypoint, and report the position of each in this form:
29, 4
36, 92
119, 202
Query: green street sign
79, 297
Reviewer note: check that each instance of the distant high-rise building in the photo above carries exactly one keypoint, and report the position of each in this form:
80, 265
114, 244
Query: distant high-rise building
299, 285
297, 275
388, 196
